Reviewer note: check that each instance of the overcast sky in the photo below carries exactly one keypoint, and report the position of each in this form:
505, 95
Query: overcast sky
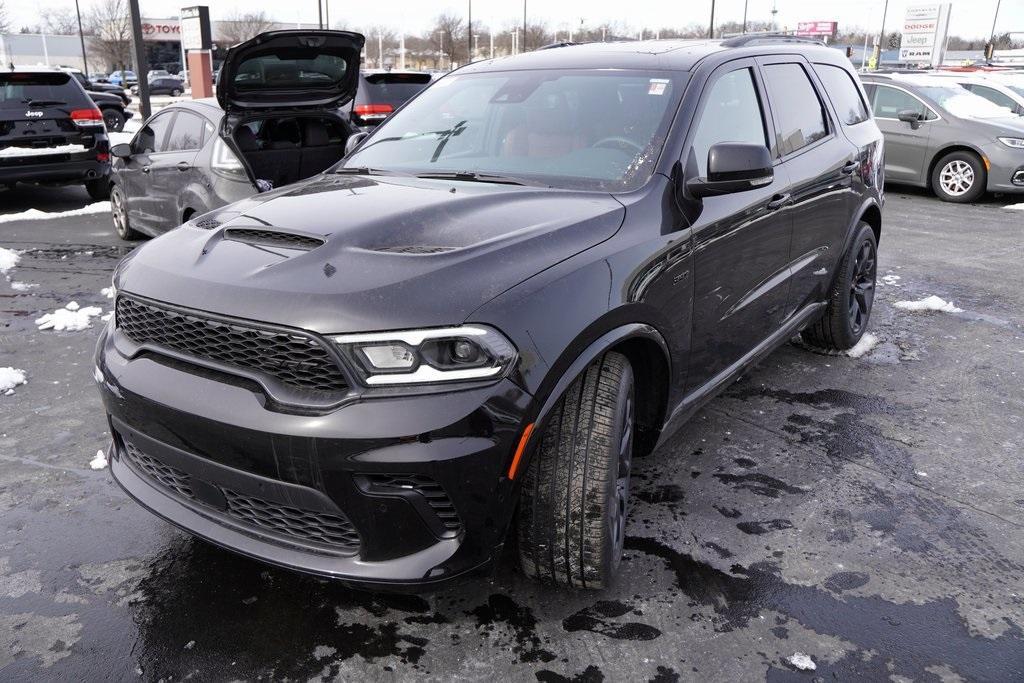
970, 18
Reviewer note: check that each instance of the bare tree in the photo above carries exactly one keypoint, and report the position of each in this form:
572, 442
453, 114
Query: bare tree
379, 38
448, 37
59, 21
5, 24
242, 26
111, 26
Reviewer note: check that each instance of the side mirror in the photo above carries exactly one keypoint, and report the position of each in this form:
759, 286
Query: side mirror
910, 116
734, 167
121, 151
354, 141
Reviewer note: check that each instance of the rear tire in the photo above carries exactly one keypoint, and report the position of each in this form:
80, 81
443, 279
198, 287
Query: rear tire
959, 177
98, 189
119, 214
114, 120
572, 513
176, 93
851, 298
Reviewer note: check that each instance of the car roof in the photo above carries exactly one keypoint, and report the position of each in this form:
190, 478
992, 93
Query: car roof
668, 55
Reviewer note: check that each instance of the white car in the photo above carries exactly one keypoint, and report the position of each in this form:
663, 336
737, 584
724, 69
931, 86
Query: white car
1005, 90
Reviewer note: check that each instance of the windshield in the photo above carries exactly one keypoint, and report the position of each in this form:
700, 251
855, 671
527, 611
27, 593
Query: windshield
599, 130
963, 103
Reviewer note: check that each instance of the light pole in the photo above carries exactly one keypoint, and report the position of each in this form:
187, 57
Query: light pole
81, 39
991, 38
745, 16
319, 14
524, 25
881, 36
711, 26
469, 34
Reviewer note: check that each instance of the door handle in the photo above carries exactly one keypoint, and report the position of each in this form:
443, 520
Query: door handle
145, 169
778, 201
851, 166
183, 166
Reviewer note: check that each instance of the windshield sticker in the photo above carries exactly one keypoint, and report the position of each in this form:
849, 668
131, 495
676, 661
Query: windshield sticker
658, 86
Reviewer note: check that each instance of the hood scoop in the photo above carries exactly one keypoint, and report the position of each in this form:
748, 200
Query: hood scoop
272, 238
206, 223
413, 249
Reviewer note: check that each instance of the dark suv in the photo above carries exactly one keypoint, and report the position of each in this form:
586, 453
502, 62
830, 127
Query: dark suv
534, 272
51, 131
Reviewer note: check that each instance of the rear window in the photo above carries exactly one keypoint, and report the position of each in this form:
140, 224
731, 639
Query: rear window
284, 71
843, 92
18, 90
393, 89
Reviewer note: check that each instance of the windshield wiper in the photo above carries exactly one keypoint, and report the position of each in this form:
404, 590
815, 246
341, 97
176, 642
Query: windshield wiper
365, 170
475, 177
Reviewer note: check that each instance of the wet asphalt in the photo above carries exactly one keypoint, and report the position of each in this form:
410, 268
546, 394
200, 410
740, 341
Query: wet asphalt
866, 512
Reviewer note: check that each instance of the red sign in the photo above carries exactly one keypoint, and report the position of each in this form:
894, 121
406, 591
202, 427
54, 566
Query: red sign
816, 28
161, 29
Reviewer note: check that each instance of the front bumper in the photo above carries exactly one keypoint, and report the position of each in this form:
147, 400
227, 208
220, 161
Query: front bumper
1006, 168
404, 491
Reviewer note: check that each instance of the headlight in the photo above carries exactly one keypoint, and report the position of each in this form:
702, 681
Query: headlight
1016, 143
453, 354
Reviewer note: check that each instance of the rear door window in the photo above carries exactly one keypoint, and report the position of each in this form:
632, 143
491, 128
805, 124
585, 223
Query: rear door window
843, 93
732, 113
186, 133
992, 95
799, 115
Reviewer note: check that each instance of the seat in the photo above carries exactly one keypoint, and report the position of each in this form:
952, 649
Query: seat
281, 154
543, 131
319, 149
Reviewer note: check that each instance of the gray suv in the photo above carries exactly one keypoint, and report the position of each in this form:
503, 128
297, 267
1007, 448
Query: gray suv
941, 136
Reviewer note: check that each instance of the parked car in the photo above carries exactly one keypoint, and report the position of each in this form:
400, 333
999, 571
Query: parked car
519, 282
113, 110
198, 155
154, 74
381, 93
168, 85
992, 89
123, 78
945, 138
94, 86
51, 132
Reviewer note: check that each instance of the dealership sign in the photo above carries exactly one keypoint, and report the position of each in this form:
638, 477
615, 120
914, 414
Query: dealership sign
160, 29
924, 32
816, 28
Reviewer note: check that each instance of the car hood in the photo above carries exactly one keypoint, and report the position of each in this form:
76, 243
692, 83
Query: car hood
396, 252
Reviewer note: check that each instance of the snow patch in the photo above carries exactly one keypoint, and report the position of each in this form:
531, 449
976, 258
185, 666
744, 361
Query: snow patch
22, 286
41, 151
37, 215
820, 271
10, 378
324, 651
107, 292
71, 318
891, 280
1016, 207
802, 661
931, 303
99, 462
8, 259
864, 346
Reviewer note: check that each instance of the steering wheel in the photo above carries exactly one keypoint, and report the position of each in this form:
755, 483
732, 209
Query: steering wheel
618, 142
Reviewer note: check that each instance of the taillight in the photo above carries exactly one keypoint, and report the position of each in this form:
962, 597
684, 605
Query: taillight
373, 111
87, 117
103, 156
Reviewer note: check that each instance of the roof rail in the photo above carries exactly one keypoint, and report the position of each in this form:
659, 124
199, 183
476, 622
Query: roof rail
768, 39
564, 43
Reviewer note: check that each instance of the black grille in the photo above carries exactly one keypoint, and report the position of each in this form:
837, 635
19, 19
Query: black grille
165, 475
206, 223
272, 238
333, 531
293, 358
414, 249
433, 492
318, 527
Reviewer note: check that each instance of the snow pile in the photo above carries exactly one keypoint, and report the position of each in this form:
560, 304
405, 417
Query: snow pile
121, 138
891, 280
802, 661
99, 462
37, 215
10, 378
39, 151
8, 259
107, 292
71, 318
864, 346
932, 303
22, 286
1018, 207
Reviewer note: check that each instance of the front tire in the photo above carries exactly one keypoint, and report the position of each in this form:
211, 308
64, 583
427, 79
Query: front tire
98, 189
119, 214
176, 93
114, 120
572, 514
851, 298
959, 177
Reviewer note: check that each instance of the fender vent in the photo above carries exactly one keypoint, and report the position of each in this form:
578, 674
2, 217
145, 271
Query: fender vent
206, 223
272, 238
414, 249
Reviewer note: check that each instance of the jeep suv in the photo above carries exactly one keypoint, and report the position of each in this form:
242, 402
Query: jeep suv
51, 132
464, 333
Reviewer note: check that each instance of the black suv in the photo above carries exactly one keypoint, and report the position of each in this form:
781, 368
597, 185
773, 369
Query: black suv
51, 132
532, 273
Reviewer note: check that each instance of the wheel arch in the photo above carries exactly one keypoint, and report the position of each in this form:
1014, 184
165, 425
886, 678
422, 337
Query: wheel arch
948, 149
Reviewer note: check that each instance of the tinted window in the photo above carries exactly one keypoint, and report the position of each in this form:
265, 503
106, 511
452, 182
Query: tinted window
19, 89
270, 70
992, 95
393, 89
732, 113
798, 112
889, 102
151, 137
843, 92
187, 133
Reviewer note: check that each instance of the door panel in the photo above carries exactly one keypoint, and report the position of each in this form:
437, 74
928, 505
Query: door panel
905, 148
740, 242
173, 170
143, 209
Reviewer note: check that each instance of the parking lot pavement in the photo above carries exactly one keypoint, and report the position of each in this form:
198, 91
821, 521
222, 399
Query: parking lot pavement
866, 512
